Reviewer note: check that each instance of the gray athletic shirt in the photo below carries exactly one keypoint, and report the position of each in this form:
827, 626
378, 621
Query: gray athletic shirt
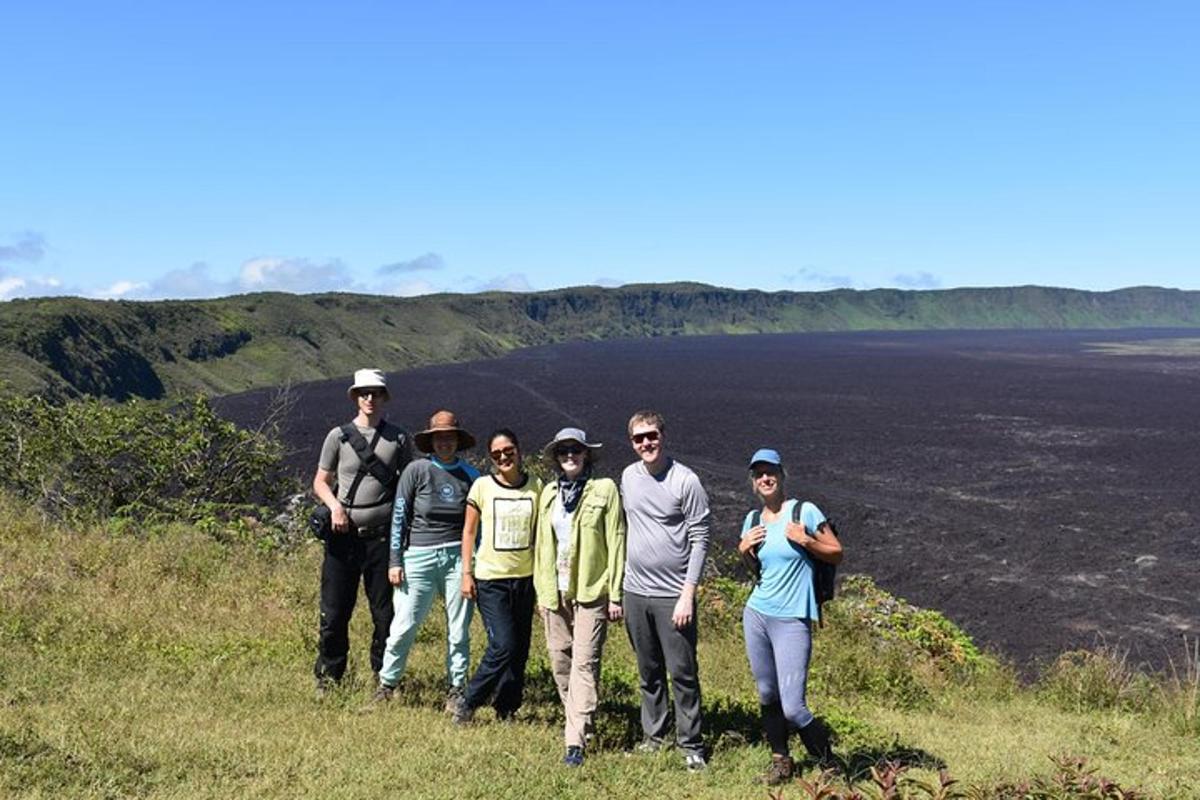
668, 520
431, 502
393, 449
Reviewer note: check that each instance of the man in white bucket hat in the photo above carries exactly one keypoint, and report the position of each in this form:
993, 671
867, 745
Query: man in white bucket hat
356, 478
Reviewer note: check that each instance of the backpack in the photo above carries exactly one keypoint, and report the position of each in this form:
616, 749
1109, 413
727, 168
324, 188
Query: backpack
824, 573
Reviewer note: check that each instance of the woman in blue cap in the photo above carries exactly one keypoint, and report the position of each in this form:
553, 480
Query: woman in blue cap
779, 615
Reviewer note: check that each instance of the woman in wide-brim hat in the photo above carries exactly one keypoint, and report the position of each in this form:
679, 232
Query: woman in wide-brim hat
784, 537
579, 564
425, 556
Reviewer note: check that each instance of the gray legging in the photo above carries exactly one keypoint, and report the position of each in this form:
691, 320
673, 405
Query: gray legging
779, 649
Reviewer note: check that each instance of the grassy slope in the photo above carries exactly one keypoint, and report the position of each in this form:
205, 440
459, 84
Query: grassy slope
180, 667
120, 349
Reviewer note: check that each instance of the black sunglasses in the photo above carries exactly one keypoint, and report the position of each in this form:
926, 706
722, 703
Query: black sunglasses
569, 450
648, 436
372, 393
504, 452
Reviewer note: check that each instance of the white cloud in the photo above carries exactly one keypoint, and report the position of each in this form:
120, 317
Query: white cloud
37, 286
608, 283
10, 286
298, 275
120, 289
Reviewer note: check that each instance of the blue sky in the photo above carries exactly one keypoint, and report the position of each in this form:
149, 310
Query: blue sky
181, 150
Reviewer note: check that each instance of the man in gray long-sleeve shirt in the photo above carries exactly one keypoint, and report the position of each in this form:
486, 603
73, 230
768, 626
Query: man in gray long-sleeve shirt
667, 513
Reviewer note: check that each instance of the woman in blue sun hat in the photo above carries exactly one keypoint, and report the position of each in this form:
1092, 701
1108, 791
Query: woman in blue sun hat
785, 536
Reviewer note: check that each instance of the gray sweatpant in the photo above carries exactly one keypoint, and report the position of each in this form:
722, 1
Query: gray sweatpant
661, 648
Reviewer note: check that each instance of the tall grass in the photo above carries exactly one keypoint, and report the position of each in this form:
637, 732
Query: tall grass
170, 664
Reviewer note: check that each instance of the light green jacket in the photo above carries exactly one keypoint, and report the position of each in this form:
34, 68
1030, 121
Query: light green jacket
597, 546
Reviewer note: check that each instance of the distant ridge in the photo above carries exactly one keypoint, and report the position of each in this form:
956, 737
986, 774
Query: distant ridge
69, 347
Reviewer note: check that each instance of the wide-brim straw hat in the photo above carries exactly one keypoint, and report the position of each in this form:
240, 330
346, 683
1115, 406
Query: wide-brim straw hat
571, 435
439, 422
367, 379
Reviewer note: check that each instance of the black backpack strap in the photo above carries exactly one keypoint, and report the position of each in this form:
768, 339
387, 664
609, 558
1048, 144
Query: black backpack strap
366, 453
751, 556
367, 462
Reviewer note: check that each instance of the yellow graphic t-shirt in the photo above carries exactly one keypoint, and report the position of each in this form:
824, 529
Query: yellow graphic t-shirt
508, 518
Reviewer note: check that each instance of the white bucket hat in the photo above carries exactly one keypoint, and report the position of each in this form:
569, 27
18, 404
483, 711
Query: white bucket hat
368, 379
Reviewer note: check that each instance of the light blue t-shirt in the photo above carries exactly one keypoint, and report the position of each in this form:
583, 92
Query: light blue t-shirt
786, 586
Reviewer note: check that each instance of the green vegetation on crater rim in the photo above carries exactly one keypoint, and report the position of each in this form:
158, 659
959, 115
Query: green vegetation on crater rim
70, 347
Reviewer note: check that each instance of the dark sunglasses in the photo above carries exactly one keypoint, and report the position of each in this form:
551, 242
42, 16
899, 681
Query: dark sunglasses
372, 393
648, 436
505, 452
569, 450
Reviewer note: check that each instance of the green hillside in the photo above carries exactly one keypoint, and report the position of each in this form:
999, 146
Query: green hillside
68, 347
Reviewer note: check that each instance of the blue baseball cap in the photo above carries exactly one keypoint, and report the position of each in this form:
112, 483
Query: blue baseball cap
765, 455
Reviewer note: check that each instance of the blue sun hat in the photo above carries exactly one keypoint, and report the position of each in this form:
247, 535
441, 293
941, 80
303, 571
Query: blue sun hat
765, 455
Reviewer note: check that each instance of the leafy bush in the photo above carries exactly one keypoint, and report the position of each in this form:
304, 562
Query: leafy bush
927, 633
146, 462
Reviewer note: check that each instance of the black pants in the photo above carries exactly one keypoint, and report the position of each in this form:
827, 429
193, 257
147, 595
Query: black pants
347, 559
506, 606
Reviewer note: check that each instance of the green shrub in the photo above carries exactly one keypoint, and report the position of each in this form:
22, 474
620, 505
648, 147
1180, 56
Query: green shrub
1093, 680
91, 460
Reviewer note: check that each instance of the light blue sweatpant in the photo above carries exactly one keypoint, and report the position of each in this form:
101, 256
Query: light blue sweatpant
428, 573
779, 649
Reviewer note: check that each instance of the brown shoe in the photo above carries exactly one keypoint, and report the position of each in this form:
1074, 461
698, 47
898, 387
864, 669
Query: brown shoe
780, 771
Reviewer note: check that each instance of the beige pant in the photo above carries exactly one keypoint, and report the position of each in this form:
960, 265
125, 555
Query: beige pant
575, 638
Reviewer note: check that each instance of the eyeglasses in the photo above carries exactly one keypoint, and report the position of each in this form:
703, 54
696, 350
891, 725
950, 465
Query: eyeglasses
371, 393
759, 474
647, 436
504, 452
569, 450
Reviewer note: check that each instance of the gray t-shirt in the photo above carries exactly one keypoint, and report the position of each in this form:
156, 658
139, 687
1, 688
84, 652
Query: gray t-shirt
431, 502
393, 449
668, 520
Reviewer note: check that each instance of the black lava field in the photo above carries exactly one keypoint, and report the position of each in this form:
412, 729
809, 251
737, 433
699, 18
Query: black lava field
1041, 494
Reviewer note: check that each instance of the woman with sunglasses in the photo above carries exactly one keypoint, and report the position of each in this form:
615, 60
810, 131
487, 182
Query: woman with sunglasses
779, 615
578, 567
498, 534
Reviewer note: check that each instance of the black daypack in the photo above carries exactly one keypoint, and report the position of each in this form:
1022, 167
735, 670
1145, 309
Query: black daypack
824, 573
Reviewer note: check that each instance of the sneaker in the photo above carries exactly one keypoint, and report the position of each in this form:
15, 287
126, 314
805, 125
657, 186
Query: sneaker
463, 713
452, 697
383, 693
695, 762
648, 746
781, 770
574, 757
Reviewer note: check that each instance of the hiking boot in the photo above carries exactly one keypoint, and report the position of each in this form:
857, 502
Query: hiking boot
574, 756
452, 697
463, 713
781, 770
816, 741
383, 693
694, 761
